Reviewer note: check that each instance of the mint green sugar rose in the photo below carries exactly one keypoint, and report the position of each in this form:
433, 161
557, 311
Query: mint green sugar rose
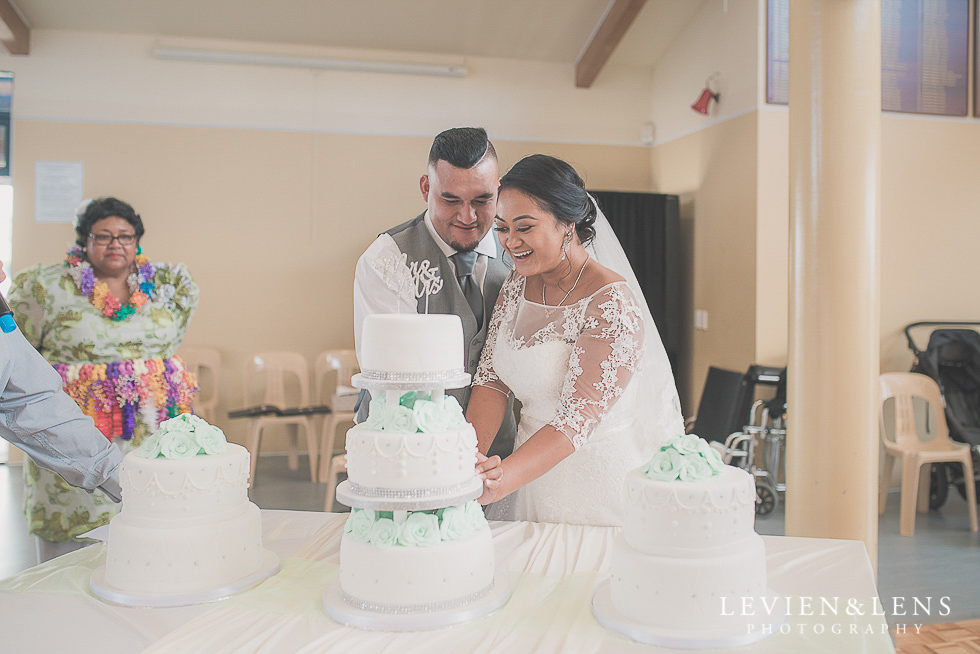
664, 466
179, 445
150, 449
376, 412
179, 423
400, 420
359, 524
474, 513
430, 417
384, 533
686, 443
711, 457
694, 469
419, 529
454, 412
455, 523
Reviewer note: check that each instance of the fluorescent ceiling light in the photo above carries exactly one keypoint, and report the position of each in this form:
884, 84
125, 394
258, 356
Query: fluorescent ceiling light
322, 63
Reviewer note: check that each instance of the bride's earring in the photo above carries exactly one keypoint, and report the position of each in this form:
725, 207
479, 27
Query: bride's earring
567, 243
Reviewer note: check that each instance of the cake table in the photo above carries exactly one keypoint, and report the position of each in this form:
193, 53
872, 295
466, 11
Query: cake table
553, 571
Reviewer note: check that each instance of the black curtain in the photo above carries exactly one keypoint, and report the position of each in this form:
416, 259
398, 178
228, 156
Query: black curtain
647, 225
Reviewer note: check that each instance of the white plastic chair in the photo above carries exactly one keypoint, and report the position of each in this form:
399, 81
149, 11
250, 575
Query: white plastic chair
274, 371
205, 364
332, 372
915, 454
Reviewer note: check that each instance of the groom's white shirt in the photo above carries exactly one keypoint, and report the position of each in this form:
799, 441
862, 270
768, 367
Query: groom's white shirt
372, 295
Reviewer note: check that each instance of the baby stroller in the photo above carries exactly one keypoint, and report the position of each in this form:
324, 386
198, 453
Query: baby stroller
952, 359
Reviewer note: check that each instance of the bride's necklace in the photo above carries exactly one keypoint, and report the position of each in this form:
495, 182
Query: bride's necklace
580, 271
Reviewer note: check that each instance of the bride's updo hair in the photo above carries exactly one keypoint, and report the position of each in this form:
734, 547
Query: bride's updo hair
555, 187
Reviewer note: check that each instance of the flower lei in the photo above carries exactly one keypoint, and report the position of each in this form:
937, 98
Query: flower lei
140, 280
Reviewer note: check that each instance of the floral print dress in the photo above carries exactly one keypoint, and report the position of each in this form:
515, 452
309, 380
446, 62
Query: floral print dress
122, 373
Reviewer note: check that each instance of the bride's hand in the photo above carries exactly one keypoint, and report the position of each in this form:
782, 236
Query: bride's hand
491, 472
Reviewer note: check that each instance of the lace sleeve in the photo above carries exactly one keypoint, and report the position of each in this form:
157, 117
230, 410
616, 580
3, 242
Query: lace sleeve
485, 375
603, 360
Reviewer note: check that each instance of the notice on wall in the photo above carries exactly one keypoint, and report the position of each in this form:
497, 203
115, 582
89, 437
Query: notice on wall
57, 190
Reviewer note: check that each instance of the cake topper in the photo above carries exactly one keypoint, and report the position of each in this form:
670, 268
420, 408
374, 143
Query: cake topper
396, 275
417, 279
426, 280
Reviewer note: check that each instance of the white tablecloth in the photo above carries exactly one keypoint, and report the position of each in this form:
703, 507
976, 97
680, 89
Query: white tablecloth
553, 570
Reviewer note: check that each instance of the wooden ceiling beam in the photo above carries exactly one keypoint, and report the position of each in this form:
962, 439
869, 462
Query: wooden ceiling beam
605, 39
20, 44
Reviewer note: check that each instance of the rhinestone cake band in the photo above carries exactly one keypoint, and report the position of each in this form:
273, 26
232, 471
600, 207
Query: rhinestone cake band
442, 375
401, 609
408, 494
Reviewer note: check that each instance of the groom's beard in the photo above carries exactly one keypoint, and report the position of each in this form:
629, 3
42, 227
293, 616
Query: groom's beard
459, 247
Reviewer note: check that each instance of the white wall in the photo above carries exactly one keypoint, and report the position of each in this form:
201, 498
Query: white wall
722, 38
75, 76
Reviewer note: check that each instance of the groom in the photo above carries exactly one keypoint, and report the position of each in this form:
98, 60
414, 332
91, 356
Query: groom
453, 233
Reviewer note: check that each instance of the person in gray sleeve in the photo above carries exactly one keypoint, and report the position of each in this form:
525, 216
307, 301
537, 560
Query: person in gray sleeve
37, 416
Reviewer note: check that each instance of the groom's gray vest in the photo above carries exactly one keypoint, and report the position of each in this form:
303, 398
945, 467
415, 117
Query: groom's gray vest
413, 238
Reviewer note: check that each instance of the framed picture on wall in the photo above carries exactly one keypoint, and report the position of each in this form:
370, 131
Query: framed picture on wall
777, 52
924, 55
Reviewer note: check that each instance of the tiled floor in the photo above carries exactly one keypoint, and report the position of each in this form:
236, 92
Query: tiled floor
941, 561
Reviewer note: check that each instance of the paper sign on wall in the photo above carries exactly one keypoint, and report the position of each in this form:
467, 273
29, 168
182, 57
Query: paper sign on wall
57, 190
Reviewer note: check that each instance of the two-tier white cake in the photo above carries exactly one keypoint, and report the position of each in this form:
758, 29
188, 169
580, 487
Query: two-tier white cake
688, 555
186, 531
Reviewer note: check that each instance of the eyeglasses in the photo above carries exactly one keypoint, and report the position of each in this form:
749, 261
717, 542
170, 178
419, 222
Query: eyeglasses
125, 240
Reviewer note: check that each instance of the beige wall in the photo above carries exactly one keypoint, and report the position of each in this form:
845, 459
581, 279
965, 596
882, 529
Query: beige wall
930, 227
714, 172
270, 223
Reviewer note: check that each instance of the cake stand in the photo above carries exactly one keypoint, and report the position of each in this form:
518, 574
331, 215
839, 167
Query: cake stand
754, 629
414, 618
112, 595
409, 500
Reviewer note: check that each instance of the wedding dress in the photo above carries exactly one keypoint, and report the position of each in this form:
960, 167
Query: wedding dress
597, 371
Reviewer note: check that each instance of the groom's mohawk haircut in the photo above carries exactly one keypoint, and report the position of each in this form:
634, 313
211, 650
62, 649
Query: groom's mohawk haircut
461, 147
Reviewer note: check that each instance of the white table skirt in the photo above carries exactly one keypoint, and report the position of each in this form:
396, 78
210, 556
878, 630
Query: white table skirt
553, 570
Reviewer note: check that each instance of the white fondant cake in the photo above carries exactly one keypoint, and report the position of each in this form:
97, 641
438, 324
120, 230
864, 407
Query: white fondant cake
380, 460
391, 573
411, 344
688, 553
186, 524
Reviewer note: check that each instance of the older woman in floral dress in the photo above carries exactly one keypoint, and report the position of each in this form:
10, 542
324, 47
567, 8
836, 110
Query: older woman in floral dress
110, 322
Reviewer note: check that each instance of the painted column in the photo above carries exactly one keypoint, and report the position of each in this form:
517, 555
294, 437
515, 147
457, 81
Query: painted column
834, 159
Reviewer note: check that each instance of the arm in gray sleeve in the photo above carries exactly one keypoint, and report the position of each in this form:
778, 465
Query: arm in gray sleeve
37, 416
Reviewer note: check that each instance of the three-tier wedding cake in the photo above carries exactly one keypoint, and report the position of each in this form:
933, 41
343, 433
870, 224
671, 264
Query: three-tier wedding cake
417, 550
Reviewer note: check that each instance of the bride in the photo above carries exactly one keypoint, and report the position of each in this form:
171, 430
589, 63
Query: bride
572, 339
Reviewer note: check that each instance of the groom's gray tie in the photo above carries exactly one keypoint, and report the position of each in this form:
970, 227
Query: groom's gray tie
464, 262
